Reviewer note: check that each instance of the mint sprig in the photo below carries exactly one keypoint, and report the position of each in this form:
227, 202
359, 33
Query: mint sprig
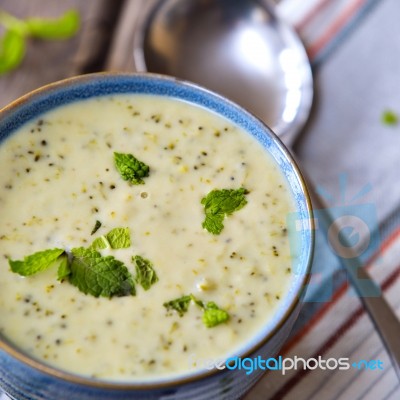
90, 271
220, 203
130, 168
84, 268
212, 314
13, 41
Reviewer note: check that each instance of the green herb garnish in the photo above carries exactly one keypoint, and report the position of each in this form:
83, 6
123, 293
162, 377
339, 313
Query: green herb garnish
86, 268
94, 274
180, 305
130, 168
220, 203
100, 243
96, 227
212, 314
36, 262
13, 42
145, 274
64, 269
12, 51
62, 27
389, 118
117, 238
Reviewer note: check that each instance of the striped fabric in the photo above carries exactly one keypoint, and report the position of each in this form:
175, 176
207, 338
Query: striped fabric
322, 24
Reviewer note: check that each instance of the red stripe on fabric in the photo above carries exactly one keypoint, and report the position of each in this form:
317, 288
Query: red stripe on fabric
315, 318
326, 346
391, 279
337, 295
334, 28
354, 317
311, 14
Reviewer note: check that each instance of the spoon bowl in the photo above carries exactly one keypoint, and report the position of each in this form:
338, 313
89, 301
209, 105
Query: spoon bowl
239, 49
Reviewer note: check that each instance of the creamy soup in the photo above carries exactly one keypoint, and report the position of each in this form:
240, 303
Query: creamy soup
60, 188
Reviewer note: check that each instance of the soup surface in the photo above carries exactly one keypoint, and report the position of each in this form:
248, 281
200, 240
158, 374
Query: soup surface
60, 188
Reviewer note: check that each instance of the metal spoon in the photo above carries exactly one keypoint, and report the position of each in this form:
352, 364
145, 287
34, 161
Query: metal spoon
217, 42
242, 50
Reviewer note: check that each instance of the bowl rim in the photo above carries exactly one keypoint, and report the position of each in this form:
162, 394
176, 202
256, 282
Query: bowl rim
196, 377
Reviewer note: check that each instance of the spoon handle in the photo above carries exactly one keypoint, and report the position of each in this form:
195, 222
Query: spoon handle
382, 315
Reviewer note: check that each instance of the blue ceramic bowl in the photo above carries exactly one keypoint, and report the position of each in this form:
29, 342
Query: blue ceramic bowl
25, 378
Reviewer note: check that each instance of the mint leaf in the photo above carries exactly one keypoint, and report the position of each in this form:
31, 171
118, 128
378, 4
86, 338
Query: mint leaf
220, 203
64, 269
181, 304
117, 238
99, 276
100, 243
196, 301
130, 168
36, 262
96, 227
213, 315
145, 274
13, 42
62, 27
389, 118
12, 50
213, 223
12, 23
